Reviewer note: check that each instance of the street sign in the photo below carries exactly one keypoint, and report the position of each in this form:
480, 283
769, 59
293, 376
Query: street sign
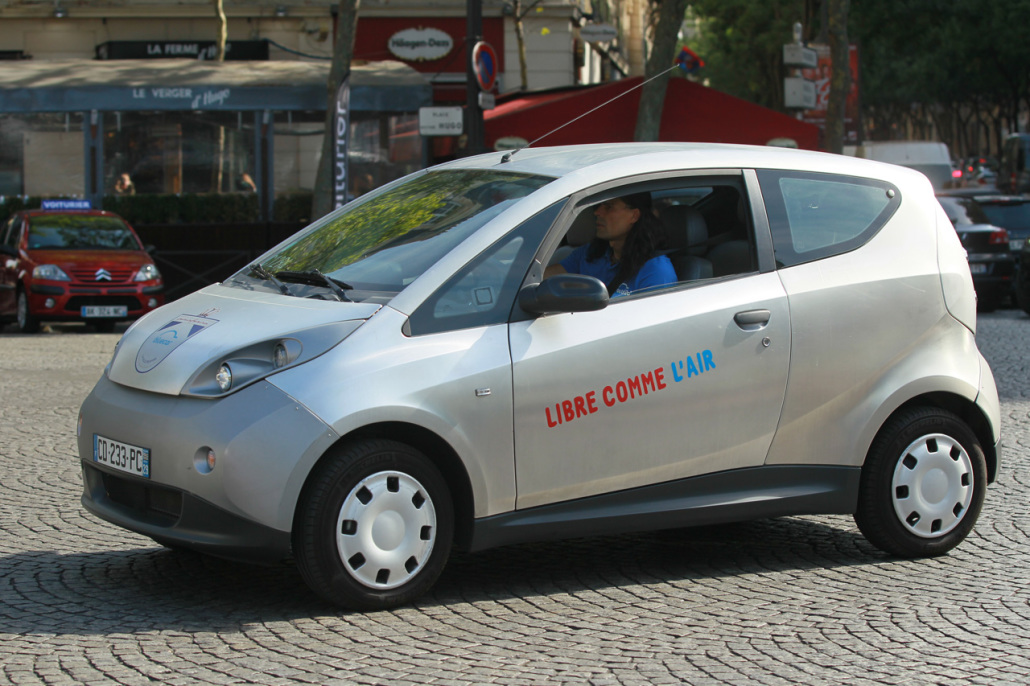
798, 93
484, 64
487, 101
598, 33
799, 56
440, 121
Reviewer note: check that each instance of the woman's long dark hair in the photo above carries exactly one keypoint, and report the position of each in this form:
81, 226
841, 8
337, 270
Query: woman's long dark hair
642, 243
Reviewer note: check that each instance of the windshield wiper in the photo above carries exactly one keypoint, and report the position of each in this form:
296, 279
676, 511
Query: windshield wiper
259, 269
317, 278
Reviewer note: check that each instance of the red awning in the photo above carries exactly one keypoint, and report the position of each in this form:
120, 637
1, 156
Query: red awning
692, 112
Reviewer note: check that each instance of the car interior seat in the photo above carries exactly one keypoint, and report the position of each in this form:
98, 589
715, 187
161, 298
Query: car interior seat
733, 256
582, 231
686, 242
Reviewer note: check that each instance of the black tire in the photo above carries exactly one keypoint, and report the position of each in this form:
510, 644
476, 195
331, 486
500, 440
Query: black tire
26, 322
922, 485
374, 526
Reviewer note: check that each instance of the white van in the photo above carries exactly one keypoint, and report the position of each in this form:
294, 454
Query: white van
928, 157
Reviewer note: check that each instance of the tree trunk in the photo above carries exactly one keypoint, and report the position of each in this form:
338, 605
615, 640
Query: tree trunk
343, 49
520, 41
840, 81
663, 52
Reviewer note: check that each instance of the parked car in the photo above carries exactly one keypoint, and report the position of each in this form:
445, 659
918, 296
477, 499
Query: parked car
978, 171
79, 264
401, 377
1013, 175
991, 260
1012, 212
929, 157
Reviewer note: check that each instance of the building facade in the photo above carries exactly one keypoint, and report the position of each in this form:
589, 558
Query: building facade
91, 90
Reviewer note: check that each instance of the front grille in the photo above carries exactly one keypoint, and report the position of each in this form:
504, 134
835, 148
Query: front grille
118, 275
77, 302
159, 504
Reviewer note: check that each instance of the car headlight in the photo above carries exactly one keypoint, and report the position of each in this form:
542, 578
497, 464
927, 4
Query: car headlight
147, 272
230, 372
224, 378
50, 272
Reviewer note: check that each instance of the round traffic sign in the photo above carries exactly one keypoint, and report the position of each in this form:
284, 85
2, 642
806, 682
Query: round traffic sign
484, 65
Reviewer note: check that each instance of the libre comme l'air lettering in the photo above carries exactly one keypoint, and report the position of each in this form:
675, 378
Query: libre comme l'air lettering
629, 389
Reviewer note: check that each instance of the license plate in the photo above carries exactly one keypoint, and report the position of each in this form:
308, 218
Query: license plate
1016, 244
104, 310
978, 268
124, 457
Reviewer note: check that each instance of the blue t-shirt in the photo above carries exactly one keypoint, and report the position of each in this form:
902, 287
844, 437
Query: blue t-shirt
657, 271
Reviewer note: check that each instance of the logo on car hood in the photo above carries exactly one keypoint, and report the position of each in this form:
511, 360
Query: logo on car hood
169, 337
102, 275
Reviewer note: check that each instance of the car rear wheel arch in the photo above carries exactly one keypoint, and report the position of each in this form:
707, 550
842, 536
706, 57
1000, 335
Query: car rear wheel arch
969, 413
923, 482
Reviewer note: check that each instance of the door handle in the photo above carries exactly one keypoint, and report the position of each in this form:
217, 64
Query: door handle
752, 320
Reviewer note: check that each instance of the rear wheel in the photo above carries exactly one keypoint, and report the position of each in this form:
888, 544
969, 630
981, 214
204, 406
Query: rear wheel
26, 322
923, 484
374, 526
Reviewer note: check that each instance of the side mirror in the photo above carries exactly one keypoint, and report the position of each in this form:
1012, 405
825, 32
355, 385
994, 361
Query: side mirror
564, 293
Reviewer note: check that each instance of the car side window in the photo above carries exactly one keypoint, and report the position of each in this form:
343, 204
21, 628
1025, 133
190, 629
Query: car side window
813, 216
701, 230
483, 292
9, 234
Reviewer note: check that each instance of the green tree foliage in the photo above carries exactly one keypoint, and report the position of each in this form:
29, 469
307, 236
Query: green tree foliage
963, 67
742, 45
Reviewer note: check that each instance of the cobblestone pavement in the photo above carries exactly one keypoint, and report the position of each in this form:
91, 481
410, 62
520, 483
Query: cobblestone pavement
800, 600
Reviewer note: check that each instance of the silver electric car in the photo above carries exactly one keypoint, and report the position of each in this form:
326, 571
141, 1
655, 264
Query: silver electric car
560, 342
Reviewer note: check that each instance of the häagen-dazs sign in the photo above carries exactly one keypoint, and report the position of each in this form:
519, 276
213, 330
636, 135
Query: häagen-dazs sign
420, 45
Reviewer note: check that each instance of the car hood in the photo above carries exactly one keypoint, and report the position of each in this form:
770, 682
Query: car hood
84, 259
163, 351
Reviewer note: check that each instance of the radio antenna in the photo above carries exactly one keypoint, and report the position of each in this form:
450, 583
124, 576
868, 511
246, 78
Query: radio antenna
507, 155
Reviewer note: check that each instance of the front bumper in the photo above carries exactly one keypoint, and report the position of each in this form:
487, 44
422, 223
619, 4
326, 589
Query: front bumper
265, 445
57, 301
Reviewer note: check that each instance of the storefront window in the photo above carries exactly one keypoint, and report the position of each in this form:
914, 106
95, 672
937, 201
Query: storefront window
383, 147
41, 155
178, 152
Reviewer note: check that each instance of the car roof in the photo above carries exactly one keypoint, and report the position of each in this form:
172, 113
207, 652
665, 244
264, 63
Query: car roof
630, 158
91, 213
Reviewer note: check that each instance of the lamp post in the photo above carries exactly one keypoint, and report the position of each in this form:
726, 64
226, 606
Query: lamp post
473, 111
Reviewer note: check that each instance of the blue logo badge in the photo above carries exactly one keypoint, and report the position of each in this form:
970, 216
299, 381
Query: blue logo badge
168, 338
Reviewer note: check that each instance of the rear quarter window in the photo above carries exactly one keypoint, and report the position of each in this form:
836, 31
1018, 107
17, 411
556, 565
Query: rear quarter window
813, 216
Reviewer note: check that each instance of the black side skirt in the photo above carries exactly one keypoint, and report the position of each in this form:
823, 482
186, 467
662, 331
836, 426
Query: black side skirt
732, 496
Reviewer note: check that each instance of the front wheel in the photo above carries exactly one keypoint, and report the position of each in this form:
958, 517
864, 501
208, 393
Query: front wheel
374, 526
922, 485
26, 322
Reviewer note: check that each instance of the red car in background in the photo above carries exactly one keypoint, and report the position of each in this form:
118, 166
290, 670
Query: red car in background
67, 262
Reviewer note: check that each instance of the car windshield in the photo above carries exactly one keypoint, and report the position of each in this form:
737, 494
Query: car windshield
376, 246
1012, 216
964, 211
79, 232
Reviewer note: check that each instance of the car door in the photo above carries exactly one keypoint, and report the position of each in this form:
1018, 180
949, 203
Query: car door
10, 233
678, 382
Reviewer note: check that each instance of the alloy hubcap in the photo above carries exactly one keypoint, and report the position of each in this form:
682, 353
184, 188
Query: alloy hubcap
932, 485
385, 530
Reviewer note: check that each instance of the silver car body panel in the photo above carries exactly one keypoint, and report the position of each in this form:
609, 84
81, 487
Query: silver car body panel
648, 390
162, 351
265, 443
456, 384
807, 387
